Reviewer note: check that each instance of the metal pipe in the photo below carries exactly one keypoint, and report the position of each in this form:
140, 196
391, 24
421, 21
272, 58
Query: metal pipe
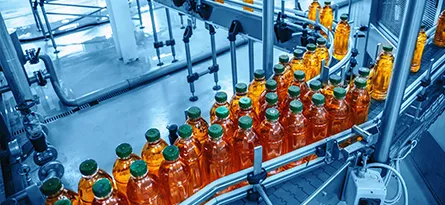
214, 61
76, 19
48, 26
155, 34
74, 5
70, 14
170, 33
268, 37
263, 194
233, 61
408, 36
188, 58
139, 13
251, 59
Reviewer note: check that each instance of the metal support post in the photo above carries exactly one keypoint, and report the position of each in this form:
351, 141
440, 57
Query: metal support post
31, 3
324, 75
268, 37
297, 5
37, 18
181, 16
170, 42
186, 38
215, 67
141, 26
257, 177
349, 9
407, 41
234, 29
283, 4
251, 58
156, 43
48, 25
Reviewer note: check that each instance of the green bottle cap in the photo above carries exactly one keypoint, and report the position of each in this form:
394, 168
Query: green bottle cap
222, 112
278, 68
299, 75
102, 188
124, 150
63, 202
193, 112
284, 58
241, 88
334, 79
296, 106
344, 17
387, 48
245, 103
298, 53
221, 97
152, 135
259, 73
245, 122
51, 186
363, 72
272, 114
185, 131
327, 2
271, 98
321, 41
138, 168
339, 92
215, 131
318, 99
360, 82
171, 153
315, 85
88, 167
422, 26
271, 84
311, 47
293, 91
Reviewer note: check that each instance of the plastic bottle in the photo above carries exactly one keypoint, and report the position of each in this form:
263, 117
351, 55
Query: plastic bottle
121, 167
63, 202
246, 8
152, 150
220, 1
418, 52
282, 82
318, 119
90, 174
271, 102
245, 140
293, 93
315, 87
272, 137
327, 15
256, 88
226, 123
105, 195
271, 87
240, 91
174, 176
322, 51
53, 190
313, 7
297, 62
338, 112
328, 91
190, 151
199, 125
341, 38
439, 36
220, 100
288, 73
311, 60
358, 99
299, 81
246, 110
144, 188
362, 72
382, 74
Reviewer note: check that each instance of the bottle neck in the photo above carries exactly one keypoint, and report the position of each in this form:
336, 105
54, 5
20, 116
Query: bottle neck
215, 139
93, 175
260, 79
220, 103
143, 176
241, 94
246, 109
222, 119
155, 142
105, 197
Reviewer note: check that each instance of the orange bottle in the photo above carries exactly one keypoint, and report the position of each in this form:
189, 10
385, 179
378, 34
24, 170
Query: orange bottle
315, 87
328, 91
272, 137
105, 195
152, 150
439, 36
190, 151
246, 110
271, 87
299, 81
327, 15
358, 99
240, 91
418, 52
271, 102
174, 176
222, 118
363, 72
312, 61
296, 131
245, 140
282, 82
338, 112
313, 7
322, 51
121, 168
220, 1
256, 88
63, 202
53, 190
144, 188
382, 74
198, 124
220, 100
318, 119
293, 93
90, 174
246, 8
288, 73
341, 38
297, 62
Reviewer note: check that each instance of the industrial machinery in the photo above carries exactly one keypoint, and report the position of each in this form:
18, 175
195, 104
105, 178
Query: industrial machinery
358, 173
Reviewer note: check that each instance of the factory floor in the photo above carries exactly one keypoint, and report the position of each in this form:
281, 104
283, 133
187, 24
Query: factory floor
87, 61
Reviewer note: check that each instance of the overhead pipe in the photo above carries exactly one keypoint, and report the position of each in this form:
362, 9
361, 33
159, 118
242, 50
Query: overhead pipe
268, 37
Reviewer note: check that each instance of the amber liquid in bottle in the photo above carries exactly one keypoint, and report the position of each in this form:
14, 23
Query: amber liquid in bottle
228, 127
323, 53
298, 64
418, 52
245, 141
439, 36
359, 101
86, 185
53, 194
145, 189
271, 102
318, 119
288, 73
256, 88
293, 94
246, 8
296, 129
341, 38
246, 110
327, 16
382, 75
220, 1
299, 81
313, 7
121, 171
282, 85
307, 98
199, 125
152, 154
312, 63
234, 103
338, 112
113, 198
220, 100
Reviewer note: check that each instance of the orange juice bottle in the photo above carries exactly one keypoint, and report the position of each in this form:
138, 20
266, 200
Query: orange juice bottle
296, 131
297, 62
53, 190
152, 150
282, 82
256, 88
327, 15
313, 7
318, 119
328, 91
105, 195
220, 1
288, 73
271, 102
271, 87
300, 81
363, 72
315, 87
121, 168
90, 174
217, 154
338, 112
220, 100
240, 91
222, 118
312, 61
174, 176
293, 93
341, 38
439, 36
272, 137
382, 74
418, 52
198, 124
245, 140
322, 51
246, 7
246, 110
359, 101
143, 188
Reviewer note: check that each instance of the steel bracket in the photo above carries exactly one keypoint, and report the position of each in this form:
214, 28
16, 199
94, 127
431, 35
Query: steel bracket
159, 44
213, 68
234, 29
193, 77
170, 42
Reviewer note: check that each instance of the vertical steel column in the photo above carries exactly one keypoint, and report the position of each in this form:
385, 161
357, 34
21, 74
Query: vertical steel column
48, 25
187, 34
233, 61
170, 34
268, 37
214, 62
155, 34
35, 15
349, 10
407, 41
181, 16
251, 58
139, 14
